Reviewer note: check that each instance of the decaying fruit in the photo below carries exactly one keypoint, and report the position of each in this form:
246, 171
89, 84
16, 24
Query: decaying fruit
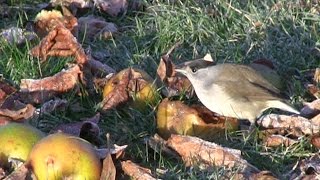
174, 117
130, 85
60, 156
17, 140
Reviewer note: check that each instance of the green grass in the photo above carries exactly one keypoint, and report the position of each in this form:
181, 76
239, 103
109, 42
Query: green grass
232, 31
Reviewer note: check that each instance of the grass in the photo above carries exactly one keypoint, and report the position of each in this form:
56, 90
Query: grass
285, 32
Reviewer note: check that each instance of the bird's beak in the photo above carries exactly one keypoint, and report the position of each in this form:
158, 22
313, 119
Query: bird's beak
180, 70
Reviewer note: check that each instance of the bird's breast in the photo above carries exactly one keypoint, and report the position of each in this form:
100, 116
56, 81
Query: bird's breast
219, 102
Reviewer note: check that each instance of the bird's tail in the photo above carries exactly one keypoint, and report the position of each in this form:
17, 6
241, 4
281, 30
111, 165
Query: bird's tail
282, 105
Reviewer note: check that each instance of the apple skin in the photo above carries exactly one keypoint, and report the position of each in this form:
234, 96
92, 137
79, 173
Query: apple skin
17, 140
60, 156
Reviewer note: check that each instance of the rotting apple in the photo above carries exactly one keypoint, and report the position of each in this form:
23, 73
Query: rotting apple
134, 83
60, 156
17, 140
174, 117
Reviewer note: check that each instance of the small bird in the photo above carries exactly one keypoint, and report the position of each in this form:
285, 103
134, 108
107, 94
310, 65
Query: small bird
234, 90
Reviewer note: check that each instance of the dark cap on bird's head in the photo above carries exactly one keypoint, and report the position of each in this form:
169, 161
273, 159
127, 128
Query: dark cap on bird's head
194, 65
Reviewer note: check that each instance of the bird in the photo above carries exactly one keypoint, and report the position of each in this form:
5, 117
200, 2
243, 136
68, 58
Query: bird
234, 90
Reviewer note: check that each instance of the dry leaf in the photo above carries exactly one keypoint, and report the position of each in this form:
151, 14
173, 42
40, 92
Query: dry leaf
95, 27
316, 120
174, 117
159, 145
60, 42
135, 171
263, 175
47, 21
5, 91
197, 152
114, 150
174, 85
129, 85
108, 169
311, 109
54, 105
316, 77
2, 173
313, 83
18, 113
307, 169
294, 124
112, 7
315, 141
279, 140
40, 90
87, 128
77, 3
314, 90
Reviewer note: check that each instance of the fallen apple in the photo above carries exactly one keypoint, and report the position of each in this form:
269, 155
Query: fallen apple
61, 156
130, 85
16, 141
174, 117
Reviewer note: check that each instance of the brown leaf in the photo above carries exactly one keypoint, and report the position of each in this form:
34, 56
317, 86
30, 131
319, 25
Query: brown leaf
316, 120
313, 77
19, 112
135, 171
311, 109
2, 173
297, 125
314, 90
112, 7
307, 168
174, 84
315, 141
197, 152
263, 175
95, 27
279, 140
174, 117
99, 69
87, 127
77, 3
5, 91
316, 78
46, 21
159, 145
54, 105
113, 150
108, 169
40, 90
118, 94
60, 42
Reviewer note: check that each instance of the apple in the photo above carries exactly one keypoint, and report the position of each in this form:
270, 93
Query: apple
62, 156
17, 140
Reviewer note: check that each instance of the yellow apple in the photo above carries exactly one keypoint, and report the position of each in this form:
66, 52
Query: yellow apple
61, 156
17, 140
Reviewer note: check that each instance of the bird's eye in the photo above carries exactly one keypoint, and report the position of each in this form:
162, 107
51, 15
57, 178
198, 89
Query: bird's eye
194, 69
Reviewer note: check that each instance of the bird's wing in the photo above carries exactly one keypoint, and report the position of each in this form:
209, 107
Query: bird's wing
245, 74
246, 91
254, 77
